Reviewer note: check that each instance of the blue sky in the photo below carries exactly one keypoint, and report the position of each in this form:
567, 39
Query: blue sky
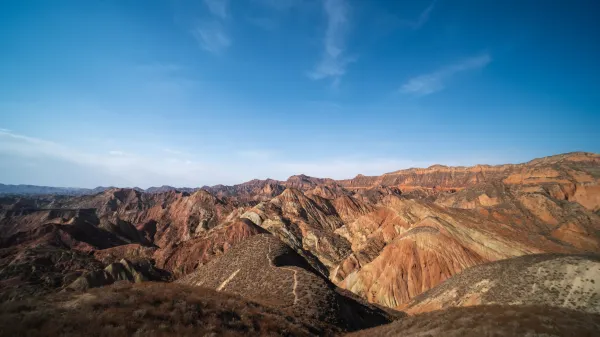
187, 93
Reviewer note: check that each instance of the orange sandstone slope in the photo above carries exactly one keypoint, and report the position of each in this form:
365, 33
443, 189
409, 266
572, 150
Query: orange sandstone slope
571, 168
393, 247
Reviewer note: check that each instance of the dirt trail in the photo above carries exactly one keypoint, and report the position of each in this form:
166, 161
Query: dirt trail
228, 280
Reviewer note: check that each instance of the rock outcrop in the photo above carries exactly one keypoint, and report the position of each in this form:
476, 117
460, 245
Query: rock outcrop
123, 270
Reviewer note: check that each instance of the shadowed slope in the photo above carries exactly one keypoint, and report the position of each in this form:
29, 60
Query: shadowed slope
264, 269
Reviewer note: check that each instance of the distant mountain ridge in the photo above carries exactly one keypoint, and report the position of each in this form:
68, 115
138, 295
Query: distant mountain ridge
434, 177
6, 189
40, 190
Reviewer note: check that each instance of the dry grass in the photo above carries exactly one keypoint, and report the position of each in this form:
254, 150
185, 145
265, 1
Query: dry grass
570, 281
149, 309
493, 320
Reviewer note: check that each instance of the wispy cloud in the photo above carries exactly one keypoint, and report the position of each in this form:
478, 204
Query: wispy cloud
272, 13
117, 153
422, 19
279, 5
429, 83
334, 60
218, 8
212, 36
155, 169
211, 33
135, 169
177, 152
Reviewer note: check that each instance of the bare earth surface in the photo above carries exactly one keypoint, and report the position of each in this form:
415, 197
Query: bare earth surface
319, 248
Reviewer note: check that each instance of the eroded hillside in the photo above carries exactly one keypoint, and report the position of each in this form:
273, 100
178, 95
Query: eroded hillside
387, 239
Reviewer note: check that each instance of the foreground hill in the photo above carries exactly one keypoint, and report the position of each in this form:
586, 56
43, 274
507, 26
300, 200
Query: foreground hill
151, 309
493, 320
569, 281
264, 269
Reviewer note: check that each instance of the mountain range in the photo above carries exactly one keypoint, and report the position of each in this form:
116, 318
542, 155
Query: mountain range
313, 256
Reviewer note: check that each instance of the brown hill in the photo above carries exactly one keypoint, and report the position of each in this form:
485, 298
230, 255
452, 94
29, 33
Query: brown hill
569, 281
163, 218
264, 269
492, 320
40, 270
173, 231
185, 257
151, 309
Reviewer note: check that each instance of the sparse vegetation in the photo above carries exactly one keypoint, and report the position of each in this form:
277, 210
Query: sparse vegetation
544, 279
149, 309
493, 320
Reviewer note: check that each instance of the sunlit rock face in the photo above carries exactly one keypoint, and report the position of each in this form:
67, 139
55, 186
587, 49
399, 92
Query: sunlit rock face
386, 238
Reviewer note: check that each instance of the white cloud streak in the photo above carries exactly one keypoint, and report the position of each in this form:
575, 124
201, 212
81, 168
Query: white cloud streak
334, 60
211, 33
139, 170
117, 153
160, 169
218, 8
427, 84
279, 5
212, 37
422, 19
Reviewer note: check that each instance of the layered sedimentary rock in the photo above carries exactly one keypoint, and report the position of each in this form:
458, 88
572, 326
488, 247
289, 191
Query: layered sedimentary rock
167, 232
386, 238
